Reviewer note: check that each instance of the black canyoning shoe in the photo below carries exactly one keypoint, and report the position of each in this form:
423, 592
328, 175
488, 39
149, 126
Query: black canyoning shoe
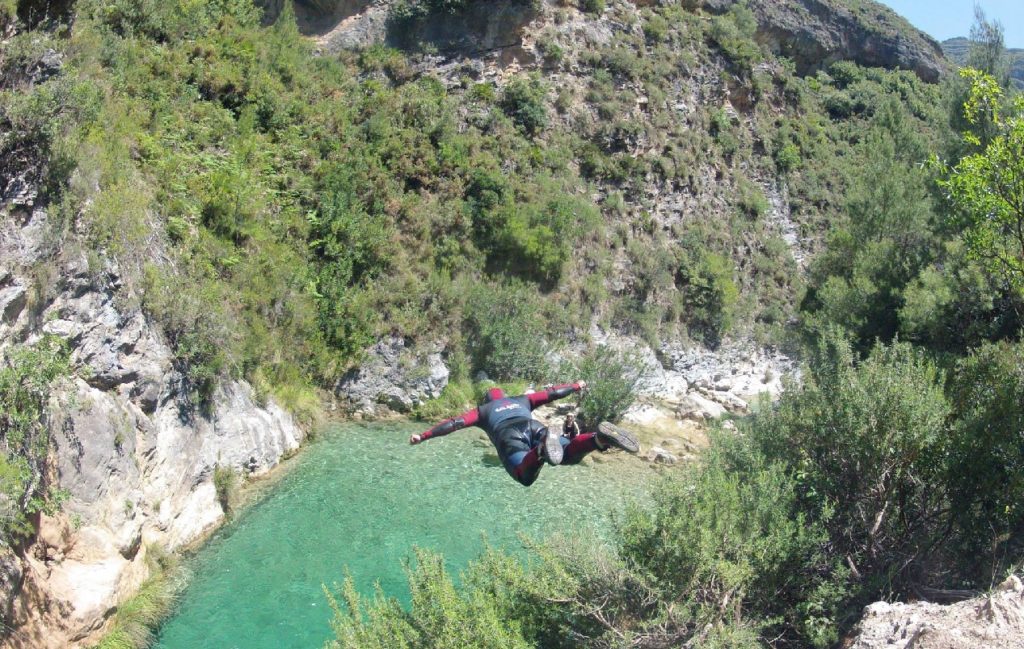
609, 434
551, 448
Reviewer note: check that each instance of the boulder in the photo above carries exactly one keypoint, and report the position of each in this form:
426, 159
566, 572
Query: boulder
994, 621
731, 402
697, 408
12, 300
658, 455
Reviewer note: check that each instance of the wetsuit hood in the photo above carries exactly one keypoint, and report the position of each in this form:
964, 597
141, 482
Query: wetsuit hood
494, 394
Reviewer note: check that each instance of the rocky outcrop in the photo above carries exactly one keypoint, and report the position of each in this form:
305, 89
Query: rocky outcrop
472, 29
476, 28
813, 33
129, 446
314, 16
817, 33
392, 377
995, 621
699, 384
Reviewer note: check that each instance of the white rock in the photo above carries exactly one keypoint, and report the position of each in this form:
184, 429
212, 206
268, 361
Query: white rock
698, 408
659, 455
731, 402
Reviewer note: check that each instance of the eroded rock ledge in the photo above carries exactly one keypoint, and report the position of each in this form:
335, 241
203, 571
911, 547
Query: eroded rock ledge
817, 33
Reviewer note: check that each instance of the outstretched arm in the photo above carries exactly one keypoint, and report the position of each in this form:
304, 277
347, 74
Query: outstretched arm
557, 392
448, 426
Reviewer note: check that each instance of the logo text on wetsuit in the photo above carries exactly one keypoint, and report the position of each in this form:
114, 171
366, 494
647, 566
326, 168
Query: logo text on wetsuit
508, 407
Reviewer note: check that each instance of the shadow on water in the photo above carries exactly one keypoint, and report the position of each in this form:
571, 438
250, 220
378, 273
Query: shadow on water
358, 500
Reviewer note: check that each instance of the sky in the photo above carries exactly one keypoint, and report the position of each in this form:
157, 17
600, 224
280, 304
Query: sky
948, 18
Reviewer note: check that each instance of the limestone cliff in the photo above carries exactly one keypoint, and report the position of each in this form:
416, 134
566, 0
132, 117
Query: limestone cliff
817, 33
129, 445
813, 33
128, 442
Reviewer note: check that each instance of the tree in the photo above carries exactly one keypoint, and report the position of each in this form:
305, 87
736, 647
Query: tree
27, 380
858, 282
987, 188
988, 51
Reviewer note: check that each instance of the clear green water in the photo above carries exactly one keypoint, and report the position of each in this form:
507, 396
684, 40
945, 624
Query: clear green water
361, 498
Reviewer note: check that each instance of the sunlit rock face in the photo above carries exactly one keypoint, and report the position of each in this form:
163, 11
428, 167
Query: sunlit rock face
132, 450
817, 33
315, 16
476, 27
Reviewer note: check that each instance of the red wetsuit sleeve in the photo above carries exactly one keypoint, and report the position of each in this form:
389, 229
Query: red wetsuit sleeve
557, 392
464, 420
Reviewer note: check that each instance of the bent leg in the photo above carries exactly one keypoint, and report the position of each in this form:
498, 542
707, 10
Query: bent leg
578, 448
525, 466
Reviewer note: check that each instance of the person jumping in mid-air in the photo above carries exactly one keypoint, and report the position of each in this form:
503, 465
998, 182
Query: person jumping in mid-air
522, 442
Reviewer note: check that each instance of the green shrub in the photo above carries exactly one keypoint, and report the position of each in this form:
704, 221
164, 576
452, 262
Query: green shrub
8, 13
750, 198
788, 157
225, 482
29, 376
612, 377
729, 538
524, 101
483, 92
710, 296
867, 438
550, 49
593, 6
655, 28
734, 33
505, 333
986, 458
439, 616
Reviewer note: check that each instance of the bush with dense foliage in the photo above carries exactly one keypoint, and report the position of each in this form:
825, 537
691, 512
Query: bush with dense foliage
28, 380
612, 378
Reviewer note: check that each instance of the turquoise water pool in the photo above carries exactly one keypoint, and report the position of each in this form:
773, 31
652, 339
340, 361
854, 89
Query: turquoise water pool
360, 498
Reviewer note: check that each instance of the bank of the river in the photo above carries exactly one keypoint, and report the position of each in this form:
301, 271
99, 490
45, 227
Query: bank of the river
358, 499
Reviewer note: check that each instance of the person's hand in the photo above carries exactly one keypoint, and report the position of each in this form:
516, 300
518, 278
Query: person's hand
582, 384
415, 439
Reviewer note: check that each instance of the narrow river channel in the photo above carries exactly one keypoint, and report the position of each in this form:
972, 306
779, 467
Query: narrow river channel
359, 498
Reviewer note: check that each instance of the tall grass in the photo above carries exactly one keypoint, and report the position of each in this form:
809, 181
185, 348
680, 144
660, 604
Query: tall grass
225, 481
137, 617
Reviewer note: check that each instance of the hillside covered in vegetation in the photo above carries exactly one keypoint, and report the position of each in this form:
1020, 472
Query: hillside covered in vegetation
676, 172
